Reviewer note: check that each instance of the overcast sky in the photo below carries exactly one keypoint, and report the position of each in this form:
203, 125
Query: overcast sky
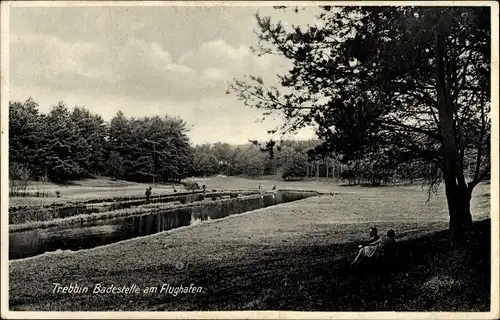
146, 61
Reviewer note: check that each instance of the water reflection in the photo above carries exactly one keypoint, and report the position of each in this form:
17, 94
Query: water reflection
92, 234
89, 235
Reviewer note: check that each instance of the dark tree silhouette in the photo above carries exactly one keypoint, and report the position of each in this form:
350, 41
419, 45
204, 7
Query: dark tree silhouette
409, 82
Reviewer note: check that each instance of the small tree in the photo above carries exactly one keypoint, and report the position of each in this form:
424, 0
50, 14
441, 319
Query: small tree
19, 178
115, 165
295, 167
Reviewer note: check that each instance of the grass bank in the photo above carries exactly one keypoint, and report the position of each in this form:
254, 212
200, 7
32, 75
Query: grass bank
429, 277
94, 210
286, 257
81, 190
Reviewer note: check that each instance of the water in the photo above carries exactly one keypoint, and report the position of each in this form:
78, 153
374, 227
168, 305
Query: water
87, 235
91, 206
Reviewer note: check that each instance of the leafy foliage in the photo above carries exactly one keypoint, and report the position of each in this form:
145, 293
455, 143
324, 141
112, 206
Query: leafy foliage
295, 165
412, 83
64, 145
19, 178
205, 161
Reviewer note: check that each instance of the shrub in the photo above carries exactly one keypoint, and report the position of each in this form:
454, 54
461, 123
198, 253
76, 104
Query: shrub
189, 185
19, 178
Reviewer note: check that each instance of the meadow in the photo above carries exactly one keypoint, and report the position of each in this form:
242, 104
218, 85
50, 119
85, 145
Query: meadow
85, 189
292, 256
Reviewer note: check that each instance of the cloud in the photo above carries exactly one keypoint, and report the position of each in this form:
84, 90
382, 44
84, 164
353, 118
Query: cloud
136, 68
234, 61
36, 59
145, 61
216, 74
140, 60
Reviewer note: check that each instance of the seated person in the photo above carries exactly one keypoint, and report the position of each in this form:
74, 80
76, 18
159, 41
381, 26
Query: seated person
377, 248
373, 237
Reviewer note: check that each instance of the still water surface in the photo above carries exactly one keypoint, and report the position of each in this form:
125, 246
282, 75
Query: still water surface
29, 243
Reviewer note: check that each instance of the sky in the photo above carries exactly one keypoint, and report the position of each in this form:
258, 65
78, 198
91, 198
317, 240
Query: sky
148, 61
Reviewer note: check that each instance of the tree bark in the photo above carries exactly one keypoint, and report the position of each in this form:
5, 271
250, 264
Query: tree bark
326, 163
317, 170
458, 194
334, 174
460, 216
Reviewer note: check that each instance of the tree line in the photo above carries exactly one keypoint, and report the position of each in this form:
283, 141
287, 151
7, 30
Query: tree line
72, 144
290, 162
69, 144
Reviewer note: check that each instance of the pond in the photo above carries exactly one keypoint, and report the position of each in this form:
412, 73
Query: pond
87, 235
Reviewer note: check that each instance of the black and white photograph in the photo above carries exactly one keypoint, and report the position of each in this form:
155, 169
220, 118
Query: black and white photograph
249, 160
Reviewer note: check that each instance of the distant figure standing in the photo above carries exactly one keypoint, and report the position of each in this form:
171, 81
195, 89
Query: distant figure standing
148, 193
274, 187
204, 188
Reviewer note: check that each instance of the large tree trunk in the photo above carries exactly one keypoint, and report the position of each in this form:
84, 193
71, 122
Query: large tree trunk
458, 194
460, 216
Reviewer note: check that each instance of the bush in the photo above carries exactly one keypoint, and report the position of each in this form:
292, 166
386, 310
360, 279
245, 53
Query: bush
19, 178
294, 168
189, 185
348, 175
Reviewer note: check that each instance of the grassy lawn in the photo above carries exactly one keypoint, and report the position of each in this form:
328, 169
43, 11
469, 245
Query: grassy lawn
287, 257
88, 189
104, 187
239, 183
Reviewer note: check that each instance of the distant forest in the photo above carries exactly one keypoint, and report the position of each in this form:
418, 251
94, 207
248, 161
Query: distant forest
66, 144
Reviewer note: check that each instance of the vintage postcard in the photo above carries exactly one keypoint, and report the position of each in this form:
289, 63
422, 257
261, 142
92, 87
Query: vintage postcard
249, 160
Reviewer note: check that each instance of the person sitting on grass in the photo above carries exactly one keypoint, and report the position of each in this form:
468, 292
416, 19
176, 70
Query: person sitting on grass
377, 248
373, 237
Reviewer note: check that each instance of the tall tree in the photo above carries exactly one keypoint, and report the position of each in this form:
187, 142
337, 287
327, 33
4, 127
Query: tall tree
410, 81
293, 164
205, 162
66, 151
118, 132
92, 128
26, 126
